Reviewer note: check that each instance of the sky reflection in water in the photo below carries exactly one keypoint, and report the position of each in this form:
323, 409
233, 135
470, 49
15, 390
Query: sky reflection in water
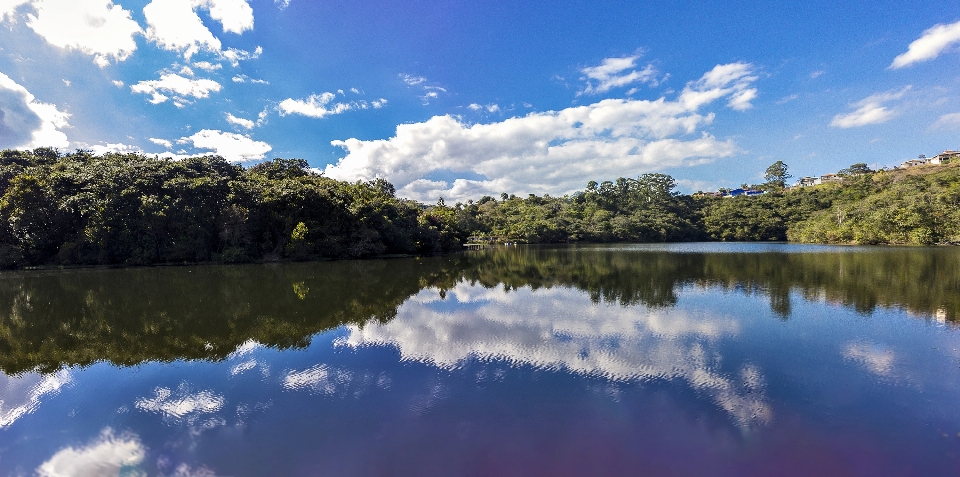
571, 361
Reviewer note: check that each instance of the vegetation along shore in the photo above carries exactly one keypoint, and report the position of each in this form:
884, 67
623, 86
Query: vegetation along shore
127, 209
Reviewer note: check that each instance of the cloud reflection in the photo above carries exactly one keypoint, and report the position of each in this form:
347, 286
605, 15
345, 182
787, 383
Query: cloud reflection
21, 395
108, 455
877, 359
560, 329
184, 407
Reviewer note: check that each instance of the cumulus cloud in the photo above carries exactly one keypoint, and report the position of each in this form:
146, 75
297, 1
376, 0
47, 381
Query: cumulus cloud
617, 72
8, 8
107, 455
26, 122
551, 152
235, 16
207, 66
232, 146
94, 27
175, 25
931, 43
870, 110
179, 87
244, 123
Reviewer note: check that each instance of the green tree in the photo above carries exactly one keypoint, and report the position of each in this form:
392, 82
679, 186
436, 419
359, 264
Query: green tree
776, 175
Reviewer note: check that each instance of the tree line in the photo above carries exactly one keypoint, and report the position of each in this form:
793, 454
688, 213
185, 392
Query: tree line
129, 209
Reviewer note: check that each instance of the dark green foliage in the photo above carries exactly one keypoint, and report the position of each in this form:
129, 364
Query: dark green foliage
82, 209
129, 209
905, 207
645, 209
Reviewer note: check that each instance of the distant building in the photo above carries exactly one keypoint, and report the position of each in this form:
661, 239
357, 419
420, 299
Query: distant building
828, 178
746, 192
912, 163
808, 182
943, 157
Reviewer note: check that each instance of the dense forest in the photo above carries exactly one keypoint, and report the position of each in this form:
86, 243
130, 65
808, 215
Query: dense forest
129, 209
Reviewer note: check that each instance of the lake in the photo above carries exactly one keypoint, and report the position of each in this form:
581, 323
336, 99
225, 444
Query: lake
680, 359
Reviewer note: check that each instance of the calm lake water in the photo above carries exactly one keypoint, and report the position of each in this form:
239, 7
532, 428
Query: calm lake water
692, 359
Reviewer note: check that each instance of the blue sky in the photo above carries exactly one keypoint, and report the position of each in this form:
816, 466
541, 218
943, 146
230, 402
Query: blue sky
463, 99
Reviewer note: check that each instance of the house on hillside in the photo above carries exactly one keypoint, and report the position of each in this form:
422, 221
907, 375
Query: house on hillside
808, 182
912, 163
944, 157
828, 178
746, 192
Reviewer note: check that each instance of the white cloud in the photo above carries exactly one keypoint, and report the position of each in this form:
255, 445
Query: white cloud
817, 74
179, 87
490, 108
244, 123
207, 66
94, 27
117, 83
282, 4
26, 122
870, 110
317, 106
412, 80
564, 331
162, 142
233, 147
551, 152
948, 121
235, 56
8, 8
617, 72
100, 149
931, 43
430, 91
245, 78
175, 25
378, 103
108, 455
235, 16
787, 99
21, 395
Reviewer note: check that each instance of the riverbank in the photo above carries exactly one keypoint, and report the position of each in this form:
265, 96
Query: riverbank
80, 209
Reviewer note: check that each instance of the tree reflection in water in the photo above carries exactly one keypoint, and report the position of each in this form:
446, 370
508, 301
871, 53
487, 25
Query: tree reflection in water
53, 319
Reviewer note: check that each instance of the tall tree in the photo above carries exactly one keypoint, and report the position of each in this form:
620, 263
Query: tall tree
777, 175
